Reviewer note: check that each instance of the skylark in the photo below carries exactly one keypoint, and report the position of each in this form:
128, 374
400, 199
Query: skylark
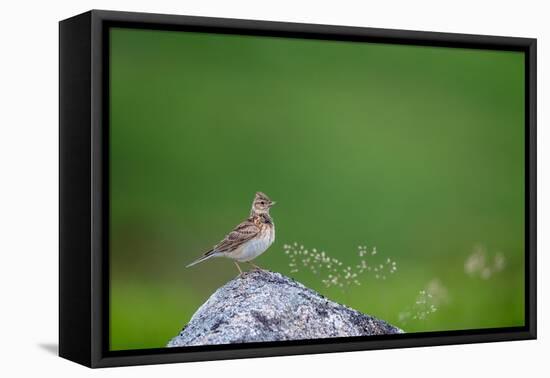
249, 239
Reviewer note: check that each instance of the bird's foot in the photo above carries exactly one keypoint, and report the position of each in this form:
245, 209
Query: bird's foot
241, 274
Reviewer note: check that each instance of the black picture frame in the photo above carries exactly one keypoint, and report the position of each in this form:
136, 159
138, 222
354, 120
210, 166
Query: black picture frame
84, 195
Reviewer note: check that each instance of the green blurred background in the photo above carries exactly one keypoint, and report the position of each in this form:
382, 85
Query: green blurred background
418, 151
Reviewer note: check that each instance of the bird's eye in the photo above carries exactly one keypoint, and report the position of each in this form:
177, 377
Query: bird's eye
262, 202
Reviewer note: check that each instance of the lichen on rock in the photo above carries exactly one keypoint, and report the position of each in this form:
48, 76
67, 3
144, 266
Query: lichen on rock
265, 306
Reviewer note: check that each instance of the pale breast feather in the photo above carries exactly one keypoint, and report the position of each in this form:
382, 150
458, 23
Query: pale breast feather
256, 246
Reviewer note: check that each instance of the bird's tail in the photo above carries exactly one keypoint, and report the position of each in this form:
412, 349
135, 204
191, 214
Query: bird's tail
204, 257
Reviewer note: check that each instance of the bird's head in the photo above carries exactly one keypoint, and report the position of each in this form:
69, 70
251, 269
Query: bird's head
262, 203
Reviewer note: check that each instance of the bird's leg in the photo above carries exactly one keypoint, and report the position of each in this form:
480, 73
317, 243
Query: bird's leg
238, 267
255, 266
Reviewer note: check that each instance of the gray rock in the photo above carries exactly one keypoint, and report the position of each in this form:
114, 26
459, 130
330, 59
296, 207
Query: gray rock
267, 306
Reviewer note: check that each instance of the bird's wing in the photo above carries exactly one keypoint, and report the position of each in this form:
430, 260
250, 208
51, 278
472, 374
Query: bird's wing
241, 234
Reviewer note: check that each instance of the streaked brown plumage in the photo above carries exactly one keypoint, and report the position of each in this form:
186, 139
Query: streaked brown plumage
250, 238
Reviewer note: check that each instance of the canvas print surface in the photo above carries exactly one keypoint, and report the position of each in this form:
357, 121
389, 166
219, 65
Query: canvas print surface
361, 188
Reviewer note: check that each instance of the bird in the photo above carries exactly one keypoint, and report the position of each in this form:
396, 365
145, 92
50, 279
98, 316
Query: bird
249, 239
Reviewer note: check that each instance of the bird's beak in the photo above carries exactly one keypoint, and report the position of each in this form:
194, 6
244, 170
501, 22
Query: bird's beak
272, 203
